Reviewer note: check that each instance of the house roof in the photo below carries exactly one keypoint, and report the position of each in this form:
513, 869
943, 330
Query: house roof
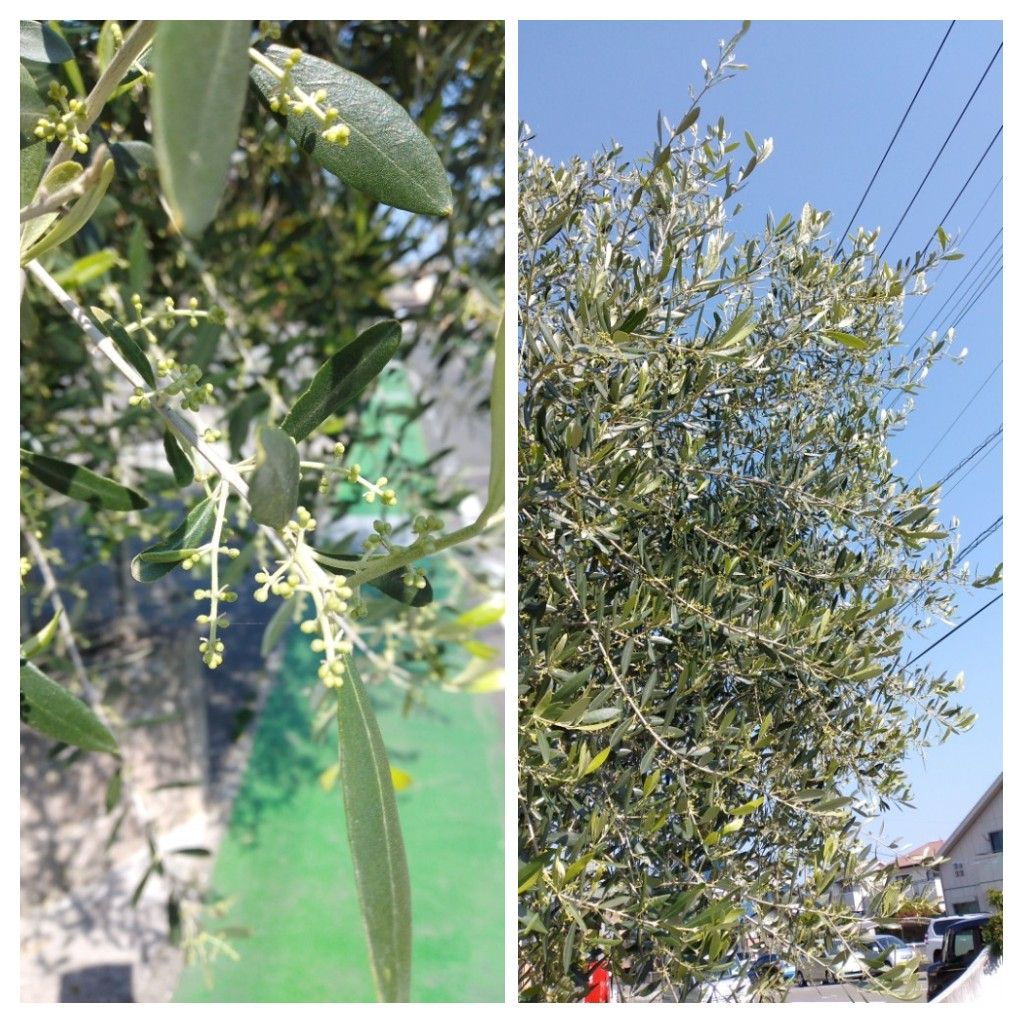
918, 854
973, 814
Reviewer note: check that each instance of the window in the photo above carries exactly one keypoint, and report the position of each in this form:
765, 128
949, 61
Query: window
958, 869
970, 907
963, 943
996, 841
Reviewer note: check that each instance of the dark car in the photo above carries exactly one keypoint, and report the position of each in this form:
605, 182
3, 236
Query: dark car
961, 944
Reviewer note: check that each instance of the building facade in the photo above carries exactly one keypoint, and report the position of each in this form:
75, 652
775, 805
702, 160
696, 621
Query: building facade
923, 882
974, 855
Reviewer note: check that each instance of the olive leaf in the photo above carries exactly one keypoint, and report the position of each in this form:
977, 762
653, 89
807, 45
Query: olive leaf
181, 465
39, 642
161, 558
391, 584
274, 484
82, 484
78, 216
200, 70
50, 709
386, 156
41, 44
343, 377
126, 345
375, 838
32, 106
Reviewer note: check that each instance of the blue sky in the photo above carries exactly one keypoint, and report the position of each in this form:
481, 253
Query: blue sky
831, 94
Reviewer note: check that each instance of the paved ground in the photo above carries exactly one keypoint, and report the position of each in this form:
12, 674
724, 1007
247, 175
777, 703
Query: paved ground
847, 993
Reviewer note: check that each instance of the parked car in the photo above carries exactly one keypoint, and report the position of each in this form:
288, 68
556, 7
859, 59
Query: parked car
911, 930
961, 944
768, 962
840, 963
936, 930
732, 984
888, 951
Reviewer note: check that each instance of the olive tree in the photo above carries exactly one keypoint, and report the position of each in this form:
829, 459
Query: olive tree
209, 233
719, 566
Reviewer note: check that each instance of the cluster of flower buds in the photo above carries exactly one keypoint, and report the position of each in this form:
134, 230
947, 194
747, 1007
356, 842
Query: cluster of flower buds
61, 121
289, 99
172, 312
184, 382
210, 647
372, 489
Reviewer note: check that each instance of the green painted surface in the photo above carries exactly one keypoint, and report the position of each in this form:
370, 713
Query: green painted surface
286, 860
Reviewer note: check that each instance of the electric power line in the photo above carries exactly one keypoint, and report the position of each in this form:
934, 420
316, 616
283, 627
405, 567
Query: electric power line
946, 636
970, 401
899, 127
992, 527
970, 178
995, 435
946, 264
942, 148
960, 285
985, 288
971, 470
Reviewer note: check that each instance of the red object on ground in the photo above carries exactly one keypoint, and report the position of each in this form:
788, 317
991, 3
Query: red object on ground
600, 983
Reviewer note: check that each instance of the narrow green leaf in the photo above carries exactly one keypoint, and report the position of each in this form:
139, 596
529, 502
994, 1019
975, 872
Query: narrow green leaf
200, 71
742, 326
189, 534
688, 121
140, 268
179, 462
391, 584
137, 894
35, 645
32, 160
114, 789
530, 872
597, 760
88, 268
483, 615
75, 219
50, 709
82, 484
126, 344
343, 377
31, 104
41, 44
106, 45
386, 156
375, 837
274, 484
849, 340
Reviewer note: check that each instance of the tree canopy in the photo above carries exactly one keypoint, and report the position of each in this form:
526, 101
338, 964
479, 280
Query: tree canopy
719, 565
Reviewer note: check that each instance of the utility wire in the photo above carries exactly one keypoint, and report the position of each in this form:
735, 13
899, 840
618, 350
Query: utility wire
946, 264
985, 288
942, 148
992, 527
970, 178
970, 471
960, 285
994, 436
946, 636
899, 127
970, 401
